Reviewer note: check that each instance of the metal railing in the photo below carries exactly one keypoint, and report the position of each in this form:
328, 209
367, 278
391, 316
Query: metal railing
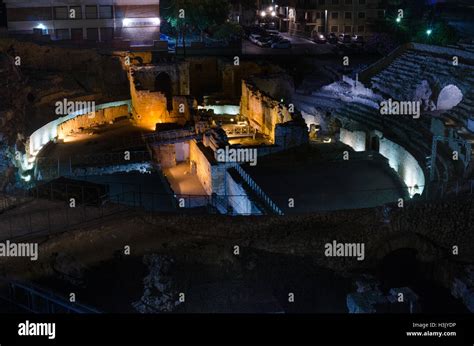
35, 299
256, 188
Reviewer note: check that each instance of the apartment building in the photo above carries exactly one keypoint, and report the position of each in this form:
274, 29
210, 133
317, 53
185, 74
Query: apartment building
337, 16
93, 20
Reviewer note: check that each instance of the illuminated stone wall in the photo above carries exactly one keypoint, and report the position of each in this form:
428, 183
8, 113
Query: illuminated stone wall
404, 164
354, 139
203, 167
149, 107
100, 117
211, 175
263, 112
49, 131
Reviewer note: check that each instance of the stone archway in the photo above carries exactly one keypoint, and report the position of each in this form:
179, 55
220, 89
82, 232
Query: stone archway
164, 85
399, 268
426, 250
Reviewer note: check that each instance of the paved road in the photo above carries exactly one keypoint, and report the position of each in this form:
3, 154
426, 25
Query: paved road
300, 46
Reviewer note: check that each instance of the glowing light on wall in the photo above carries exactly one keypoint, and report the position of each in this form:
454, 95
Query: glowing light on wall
405, 165
223, 109
141, 22
398, 157
354, 139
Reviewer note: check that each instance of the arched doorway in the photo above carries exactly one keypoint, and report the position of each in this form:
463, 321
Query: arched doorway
163, 84
399, 268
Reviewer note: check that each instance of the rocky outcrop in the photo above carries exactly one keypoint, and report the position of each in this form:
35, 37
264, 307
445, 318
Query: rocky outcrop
68, 268
158, 294
370, 299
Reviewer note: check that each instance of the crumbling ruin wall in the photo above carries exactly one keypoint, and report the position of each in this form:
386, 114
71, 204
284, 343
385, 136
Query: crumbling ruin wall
150, 107
278, 86
233, 74
85, 121
291, 134
166, 155
263, 112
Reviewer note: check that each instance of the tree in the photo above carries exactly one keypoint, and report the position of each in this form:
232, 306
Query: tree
195, 14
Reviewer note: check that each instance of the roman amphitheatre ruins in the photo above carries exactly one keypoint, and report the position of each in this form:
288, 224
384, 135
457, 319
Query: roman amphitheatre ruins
141, 170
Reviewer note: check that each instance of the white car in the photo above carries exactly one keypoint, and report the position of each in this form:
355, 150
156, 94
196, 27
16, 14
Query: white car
254, 38
283, 44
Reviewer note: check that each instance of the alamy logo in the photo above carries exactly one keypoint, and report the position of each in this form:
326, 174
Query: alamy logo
237, 155
37, 329
9, 249
336, 249
66, 107
392, 107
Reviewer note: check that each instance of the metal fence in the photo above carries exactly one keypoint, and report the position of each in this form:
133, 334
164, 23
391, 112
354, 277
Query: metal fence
32, 298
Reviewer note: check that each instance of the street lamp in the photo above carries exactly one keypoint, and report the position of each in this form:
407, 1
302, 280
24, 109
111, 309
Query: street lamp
398, 19
273, 14
429, 32
263, 14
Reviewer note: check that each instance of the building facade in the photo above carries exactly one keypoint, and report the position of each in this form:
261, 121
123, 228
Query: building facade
92, 20
331, 16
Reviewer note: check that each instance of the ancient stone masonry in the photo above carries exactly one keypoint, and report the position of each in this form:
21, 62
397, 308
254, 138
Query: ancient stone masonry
264, 112
232, 75
85, 121
160, 94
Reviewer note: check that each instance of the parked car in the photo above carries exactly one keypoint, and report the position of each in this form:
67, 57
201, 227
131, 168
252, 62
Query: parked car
357, 39
272, 32
332, 38
264, 41
254, 38
319, 38
275, 37
345, 38
282, 44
